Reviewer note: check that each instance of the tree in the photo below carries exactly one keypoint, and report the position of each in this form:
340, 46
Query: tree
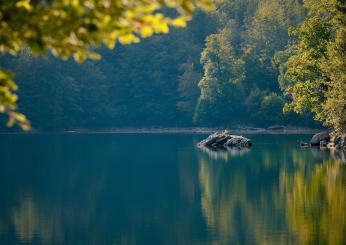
74, 27
267, 33
315, 71
223, 71
271, 109
188, 88
257, 30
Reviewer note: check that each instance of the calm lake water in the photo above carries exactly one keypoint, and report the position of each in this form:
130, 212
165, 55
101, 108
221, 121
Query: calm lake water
161, 189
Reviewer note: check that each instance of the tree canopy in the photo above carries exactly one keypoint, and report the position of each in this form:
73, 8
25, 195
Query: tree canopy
75, 27
314, 76
237, 65
240, 82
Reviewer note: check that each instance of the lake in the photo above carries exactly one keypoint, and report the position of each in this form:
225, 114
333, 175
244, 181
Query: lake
161, 189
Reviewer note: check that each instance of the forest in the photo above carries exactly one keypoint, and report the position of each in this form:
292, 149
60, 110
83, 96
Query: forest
172, 122
232, 66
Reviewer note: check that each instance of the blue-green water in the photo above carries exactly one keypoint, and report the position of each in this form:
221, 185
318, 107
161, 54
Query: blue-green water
161, 189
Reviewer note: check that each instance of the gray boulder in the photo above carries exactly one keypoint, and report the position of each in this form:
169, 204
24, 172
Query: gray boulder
217, 138
238, 141
317, 138
222, 139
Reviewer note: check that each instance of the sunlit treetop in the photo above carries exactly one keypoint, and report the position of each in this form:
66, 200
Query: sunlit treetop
315, 71
75, 27
71, 27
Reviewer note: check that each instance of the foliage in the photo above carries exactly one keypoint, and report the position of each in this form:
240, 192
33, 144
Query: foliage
8, 100
73, 28
315, 69
255, 32
188, 88
135, 85
271, 107
223, 71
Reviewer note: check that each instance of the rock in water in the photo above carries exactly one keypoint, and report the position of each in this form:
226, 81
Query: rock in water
340, 142
317, 138
224, 139
238, 141
214, 138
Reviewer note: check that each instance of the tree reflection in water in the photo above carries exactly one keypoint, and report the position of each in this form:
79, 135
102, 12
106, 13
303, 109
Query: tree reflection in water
316, 202
95, 190
224, 153
285, 196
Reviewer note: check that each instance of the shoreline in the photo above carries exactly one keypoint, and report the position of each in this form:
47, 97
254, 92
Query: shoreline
246, 130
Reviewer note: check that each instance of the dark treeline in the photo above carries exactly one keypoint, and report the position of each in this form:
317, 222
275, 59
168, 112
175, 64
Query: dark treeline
222, 70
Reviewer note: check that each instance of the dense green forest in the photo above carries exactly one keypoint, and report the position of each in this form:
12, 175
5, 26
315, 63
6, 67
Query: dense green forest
226, 68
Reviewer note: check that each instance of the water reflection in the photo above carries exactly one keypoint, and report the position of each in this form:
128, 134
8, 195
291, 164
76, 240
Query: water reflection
315, 203
224, 153
30, 223
25, 221
275, 195
99, 190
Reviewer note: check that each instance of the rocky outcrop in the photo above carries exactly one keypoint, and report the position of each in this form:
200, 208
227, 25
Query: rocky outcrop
339, 141
238, 141
317, 138
224, 139
327, 140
